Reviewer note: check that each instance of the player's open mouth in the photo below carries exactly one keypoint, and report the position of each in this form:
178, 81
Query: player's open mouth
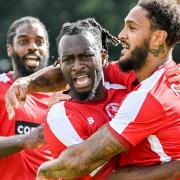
125, 46
32, 61
82, 81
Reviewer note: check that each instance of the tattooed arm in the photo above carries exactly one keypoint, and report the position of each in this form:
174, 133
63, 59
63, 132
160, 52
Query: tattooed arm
49, 79
82, 159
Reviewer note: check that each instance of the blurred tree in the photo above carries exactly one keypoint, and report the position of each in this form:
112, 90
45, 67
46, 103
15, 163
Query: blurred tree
53, 13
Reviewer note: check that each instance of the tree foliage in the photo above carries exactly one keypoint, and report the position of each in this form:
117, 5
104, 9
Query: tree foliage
53, 13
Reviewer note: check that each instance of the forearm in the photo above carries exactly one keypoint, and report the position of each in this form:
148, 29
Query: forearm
82, 159
10, 145
167, 171
48, 79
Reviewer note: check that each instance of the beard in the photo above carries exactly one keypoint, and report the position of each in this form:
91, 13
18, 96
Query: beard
137, 58
23, 69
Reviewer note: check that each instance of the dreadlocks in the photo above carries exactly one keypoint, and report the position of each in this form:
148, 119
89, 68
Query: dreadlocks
90, 24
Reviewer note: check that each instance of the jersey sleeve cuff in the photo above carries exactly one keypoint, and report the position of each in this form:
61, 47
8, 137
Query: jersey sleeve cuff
120, 138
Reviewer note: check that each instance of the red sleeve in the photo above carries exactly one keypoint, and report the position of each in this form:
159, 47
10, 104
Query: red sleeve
139, 116
113, 74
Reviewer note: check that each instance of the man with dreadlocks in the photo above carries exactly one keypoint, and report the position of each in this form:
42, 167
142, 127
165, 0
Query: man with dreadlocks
81, 59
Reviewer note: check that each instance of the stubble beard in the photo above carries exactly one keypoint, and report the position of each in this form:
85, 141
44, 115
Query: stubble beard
22, 69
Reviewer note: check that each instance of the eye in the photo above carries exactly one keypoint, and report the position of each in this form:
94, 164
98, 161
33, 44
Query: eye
67, 60
40, 42
23, 42
131, 27
87, 56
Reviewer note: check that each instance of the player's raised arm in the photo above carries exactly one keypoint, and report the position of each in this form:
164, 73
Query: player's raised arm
48, 79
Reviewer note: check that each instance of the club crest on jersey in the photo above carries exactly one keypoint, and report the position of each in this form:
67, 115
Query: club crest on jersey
112, 109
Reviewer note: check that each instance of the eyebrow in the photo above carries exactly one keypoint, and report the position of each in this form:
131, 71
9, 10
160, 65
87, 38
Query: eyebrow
25, 36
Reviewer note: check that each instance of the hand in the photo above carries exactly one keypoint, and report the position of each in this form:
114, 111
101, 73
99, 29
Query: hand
58, 96
16, 95
174, 77
41, 176
45, 178
34, 139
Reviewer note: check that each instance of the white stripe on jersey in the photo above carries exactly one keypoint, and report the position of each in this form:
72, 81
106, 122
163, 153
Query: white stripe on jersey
108, 85
158, 149
4, 78
133, 102
61, 126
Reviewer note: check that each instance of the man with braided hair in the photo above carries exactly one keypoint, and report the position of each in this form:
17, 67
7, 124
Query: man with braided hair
81, 55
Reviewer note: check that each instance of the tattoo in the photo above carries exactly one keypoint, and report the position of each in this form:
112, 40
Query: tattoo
157, 52
82, 159
41, 83
50, 79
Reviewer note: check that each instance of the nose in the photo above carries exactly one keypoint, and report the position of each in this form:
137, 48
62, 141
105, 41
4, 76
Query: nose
77, 65
33, 46
122, 35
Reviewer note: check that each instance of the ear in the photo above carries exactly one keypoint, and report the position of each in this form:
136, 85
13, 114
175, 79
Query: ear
104, 56
9, 50
158, 37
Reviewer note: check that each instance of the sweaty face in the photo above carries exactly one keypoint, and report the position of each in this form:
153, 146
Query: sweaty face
81, 64
135, 37
30, 50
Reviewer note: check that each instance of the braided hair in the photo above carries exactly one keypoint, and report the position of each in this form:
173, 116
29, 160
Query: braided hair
89, 24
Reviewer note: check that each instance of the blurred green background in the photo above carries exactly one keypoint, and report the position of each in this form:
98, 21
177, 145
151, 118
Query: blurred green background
53, 13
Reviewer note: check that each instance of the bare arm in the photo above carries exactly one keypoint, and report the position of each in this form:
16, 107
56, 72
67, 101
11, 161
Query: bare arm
166, 171
48, 79
82, 159
13, 144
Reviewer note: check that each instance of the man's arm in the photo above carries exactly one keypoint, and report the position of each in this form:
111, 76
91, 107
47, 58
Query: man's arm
166, 171
13, 144
49, 79
82, 159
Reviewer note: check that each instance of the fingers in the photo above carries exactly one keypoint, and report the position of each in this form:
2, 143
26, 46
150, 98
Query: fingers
175, 71
16, 96
174, 77
11, 102
57, 97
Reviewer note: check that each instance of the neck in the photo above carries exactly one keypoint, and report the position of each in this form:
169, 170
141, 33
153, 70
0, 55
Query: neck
152, 63
15, 74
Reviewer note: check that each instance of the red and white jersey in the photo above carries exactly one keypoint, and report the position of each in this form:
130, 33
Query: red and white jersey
148, 121
113, 74
71, 122
24, 164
